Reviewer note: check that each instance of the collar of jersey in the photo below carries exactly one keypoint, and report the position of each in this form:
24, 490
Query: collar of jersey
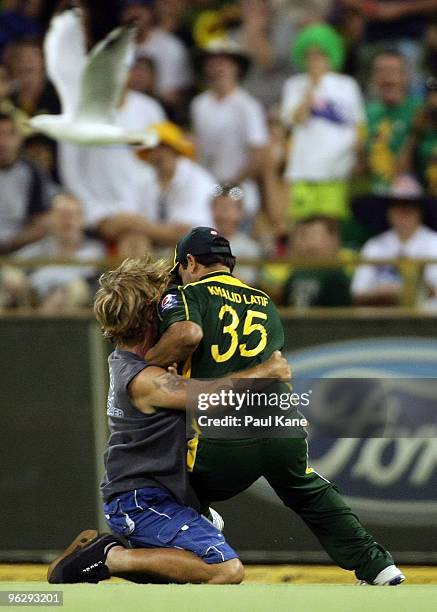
229, 280
211, 275
215, 273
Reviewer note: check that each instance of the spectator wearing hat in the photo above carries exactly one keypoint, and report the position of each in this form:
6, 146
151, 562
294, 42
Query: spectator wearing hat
390, 118
181, 189
325, 112
228, 215
229, 124
173, 70
405, 210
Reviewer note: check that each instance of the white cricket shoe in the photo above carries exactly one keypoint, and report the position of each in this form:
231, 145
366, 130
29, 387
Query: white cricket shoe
389, 576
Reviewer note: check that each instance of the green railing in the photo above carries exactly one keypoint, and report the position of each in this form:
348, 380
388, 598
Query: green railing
410, 270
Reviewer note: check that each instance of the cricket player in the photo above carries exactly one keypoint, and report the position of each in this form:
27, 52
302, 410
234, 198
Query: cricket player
216, 325
148, 500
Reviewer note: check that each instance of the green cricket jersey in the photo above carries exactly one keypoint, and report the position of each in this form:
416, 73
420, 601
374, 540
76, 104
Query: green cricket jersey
327, 287
241, 325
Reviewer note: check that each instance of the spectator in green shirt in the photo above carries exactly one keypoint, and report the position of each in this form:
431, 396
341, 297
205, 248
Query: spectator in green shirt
390, 118
317, 238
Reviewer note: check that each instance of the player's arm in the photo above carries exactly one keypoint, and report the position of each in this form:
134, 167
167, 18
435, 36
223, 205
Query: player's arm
156, 387
276, 366
177, 343
180, 323
159, 388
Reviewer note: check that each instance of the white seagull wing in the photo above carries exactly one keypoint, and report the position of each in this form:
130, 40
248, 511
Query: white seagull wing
65, 57
105, 75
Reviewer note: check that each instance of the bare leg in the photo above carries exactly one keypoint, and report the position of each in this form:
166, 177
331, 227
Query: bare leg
173, 565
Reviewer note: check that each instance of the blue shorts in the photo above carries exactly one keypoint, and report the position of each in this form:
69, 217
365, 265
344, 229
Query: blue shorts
151, 518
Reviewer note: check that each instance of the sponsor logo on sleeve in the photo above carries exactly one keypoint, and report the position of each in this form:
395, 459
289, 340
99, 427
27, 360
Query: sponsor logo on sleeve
169, 301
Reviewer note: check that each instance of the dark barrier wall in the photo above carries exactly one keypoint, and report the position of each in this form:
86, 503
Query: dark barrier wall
53, 395
48, 468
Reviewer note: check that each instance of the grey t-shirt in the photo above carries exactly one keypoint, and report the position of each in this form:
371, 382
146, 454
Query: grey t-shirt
143, 450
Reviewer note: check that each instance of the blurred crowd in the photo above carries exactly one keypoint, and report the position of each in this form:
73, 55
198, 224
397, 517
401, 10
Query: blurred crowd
304, 130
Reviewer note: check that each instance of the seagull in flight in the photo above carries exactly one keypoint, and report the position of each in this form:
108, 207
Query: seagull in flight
90, 85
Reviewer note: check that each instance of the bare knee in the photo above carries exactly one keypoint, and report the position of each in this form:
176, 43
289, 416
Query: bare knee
228, 572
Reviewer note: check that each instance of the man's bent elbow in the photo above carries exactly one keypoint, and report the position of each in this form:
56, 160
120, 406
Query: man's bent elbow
190, 334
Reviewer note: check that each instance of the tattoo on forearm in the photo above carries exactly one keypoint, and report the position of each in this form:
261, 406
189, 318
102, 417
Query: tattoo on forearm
169, 382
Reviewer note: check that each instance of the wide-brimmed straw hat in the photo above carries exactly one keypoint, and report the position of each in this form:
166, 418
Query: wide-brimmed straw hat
371, 210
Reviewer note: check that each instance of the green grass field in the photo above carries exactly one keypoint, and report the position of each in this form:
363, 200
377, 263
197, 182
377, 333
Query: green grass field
123, 597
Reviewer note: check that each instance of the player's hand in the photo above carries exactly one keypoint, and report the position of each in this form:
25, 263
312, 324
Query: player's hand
278, 367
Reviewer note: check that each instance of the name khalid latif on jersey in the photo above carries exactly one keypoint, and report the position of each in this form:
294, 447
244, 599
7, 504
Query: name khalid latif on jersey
238, 298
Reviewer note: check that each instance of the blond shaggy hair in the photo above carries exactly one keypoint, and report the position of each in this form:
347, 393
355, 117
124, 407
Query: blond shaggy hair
128, 296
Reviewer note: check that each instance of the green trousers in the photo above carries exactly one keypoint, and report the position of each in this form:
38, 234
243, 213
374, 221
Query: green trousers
224, 468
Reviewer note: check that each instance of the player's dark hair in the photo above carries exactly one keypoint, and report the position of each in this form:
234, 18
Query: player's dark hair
212, 259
